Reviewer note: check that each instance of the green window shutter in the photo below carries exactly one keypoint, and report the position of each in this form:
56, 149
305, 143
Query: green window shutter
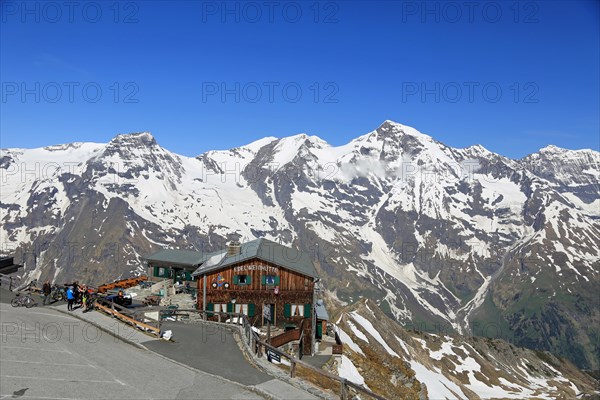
251, 310
287, 310
229, 307
188, 276
236, 279
155, 273
263, 280
210, 307
249, 279
307, 310
277, 281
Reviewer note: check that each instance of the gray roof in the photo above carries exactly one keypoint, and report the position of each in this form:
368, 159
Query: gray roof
262, 249
321, 311
186, 258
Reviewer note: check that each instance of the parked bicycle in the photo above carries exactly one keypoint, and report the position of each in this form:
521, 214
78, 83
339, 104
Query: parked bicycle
58, 293
24, 300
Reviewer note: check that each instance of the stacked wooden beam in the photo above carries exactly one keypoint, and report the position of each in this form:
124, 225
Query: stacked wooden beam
122, 284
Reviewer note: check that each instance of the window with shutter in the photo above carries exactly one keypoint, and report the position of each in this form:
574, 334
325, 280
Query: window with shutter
242, 279
210, 307
276, 281
251, 310
297, 310
229, 307
287, 310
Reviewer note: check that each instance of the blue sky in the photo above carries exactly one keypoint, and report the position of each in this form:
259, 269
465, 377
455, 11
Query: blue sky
512, 76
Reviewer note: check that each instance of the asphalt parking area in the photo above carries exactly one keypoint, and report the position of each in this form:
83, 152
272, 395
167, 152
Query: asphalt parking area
45, 354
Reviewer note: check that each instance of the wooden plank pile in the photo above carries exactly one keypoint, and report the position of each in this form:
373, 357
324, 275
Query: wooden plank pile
122, 284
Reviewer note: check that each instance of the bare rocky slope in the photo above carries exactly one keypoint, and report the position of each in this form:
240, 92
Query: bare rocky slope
405, 364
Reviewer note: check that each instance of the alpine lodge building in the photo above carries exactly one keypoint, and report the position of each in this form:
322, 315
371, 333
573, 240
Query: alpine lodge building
260, 278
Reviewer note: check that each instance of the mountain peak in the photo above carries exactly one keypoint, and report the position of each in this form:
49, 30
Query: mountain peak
552, 149
144, 138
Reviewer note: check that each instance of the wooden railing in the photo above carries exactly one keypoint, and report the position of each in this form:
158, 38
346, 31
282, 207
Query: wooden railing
338, 347
135, 317
129, 320
257, 346
285, 337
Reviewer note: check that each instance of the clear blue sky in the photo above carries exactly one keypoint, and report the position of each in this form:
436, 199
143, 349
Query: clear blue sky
355, 63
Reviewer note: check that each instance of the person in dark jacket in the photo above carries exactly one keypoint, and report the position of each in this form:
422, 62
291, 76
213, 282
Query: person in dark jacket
46, 289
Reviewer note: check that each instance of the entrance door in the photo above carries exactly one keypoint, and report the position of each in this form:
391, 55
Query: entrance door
319, 330
272, 312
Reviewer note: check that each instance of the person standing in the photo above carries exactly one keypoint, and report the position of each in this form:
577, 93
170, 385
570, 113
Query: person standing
70, 298
84, 296
76, 292
46, 289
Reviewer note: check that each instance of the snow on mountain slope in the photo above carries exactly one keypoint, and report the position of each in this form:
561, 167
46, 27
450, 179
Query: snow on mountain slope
436, 235
445, 367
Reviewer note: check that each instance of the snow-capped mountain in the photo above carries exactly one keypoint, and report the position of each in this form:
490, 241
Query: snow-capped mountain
442, 239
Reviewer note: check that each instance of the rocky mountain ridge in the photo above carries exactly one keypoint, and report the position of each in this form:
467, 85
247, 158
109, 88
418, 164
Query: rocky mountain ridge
442, 239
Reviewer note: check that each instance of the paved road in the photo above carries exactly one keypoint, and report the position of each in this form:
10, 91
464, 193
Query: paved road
45, 354
208, 348
213, 349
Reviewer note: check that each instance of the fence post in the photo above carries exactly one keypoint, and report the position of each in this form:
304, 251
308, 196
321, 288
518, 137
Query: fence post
292, 369
344, 391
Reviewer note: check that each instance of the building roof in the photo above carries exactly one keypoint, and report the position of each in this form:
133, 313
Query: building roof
7, 265
262, 249
321, 311
186, 258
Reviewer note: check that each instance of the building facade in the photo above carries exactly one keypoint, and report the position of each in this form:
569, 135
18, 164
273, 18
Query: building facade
262, 279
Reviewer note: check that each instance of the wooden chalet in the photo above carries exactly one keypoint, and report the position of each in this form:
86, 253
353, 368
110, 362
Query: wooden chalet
247, 278
262, 279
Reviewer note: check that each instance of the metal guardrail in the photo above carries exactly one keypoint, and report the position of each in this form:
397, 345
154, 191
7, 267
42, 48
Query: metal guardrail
257, 345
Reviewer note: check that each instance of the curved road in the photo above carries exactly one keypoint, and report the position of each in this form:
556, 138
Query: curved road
45, 354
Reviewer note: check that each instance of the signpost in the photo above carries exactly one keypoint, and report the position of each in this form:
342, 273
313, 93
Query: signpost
271, 355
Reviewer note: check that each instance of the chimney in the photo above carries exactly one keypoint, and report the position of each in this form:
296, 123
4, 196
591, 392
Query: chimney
233, 248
